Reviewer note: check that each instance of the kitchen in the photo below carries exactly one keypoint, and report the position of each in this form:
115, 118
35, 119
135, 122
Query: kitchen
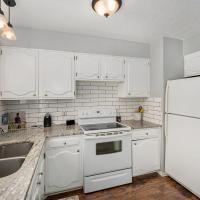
87, 112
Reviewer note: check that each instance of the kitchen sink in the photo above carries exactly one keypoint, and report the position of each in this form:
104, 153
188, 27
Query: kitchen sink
15, 150
10, 165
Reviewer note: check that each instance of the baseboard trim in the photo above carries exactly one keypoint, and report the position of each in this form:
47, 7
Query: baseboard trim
161, 173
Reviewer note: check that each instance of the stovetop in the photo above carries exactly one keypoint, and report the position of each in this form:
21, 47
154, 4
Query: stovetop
102, 126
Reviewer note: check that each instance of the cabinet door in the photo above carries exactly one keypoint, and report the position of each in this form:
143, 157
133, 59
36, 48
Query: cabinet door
87, 67
146, 156
19, 73
192, 64
112, 68
138, 73
63, 169
56, 74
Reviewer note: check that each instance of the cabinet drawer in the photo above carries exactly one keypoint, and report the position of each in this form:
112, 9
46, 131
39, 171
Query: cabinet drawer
62, 142
146, 133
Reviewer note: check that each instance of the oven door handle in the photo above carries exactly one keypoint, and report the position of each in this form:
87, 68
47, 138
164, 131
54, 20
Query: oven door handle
86, 137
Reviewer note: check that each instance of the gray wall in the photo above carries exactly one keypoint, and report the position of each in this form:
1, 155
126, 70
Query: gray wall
156, 73
166, 64
173, 61
62, 41
191, 45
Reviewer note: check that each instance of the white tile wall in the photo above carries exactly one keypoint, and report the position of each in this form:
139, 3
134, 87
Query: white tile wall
89, 94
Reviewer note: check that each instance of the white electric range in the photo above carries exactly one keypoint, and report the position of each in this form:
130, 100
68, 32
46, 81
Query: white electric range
107, 150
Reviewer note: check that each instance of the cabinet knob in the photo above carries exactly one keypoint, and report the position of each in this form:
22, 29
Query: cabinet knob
78, 150
65, 143
41, 173
135, 143
38, 183
97, 76
129, 93
106, 76
34, 95
45, 95
147, 133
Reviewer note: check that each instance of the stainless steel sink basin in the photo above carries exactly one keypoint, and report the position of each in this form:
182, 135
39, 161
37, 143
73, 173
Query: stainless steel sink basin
10, 165
15, 150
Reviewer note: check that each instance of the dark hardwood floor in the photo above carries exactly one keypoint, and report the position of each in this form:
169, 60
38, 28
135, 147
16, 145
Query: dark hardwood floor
148, 187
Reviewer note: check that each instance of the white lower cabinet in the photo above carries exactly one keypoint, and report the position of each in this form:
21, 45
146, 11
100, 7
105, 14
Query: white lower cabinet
63, 164
36, 189
145, 151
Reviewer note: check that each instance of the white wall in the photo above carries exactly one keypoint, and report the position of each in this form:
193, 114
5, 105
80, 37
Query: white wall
191, 45
68, 42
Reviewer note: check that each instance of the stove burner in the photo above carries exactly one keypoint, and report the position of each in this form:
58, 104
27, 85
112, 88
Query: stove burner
94, 127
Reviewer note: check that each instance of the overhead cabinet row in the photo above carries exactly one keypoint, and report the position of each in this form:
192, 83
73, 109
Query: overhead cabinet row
48, 74
33, 74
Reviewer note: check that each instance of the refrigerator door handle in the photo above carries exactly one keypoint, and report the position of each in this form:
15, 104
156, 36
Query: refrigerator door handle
166, 125
166, 97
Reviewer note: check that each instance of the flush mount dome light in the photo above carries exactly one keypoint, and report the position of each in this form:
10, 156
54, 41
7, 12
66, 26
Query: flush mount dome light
106, 7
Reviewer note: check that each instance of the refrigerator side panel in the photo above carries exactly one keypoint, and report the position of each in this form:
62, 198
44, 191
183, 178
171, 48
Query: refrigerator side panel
182, 160
183, 97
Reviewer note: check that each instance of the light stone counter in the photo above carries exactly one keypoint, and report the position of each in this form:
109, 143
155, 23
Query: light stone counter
16, 185
140, 125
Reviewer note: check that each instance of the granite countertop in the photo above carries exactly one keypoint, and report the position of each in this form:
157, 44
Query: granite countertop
140, 125
16, 185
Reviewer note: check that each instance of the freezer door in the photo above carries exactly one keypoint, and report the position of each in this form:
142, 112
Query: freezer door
183, 97
182, 160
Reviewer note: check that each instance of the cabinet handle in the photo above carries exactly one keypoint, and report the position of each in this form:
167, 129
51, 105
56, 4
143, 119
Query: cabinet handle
129, 93
41, 173
38, 183
0, 93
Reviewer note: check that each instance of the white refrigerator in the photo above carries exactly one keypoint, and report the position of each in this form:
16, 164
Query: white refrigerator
182, 130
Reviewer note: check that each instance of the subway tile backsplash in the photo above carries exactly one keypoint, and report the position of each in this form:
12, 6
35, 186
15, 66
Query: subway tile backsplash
88, 95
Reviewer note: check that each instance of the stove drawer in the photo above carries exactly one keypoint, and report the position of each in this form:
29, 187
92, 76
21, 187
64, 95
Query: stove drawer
107, 180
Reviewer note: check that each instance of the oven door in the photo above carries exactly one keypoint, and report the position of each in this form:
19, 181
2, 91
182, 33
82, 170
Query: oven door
106, 154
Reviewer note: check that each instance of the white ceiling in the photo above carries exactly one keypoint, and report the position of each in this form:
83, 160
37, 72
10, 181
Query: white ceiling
138, 20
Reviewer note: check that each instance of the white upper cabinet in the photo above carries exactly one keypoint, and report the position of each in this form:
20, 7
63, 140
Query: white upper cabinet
18, 73
112, 68
137, 78
192, 64
87, 67
56, 75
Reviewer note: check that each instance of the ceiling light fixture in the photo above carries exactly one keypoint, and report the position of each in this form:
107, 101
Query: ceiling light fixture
8, 31
3, 20
106, 7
